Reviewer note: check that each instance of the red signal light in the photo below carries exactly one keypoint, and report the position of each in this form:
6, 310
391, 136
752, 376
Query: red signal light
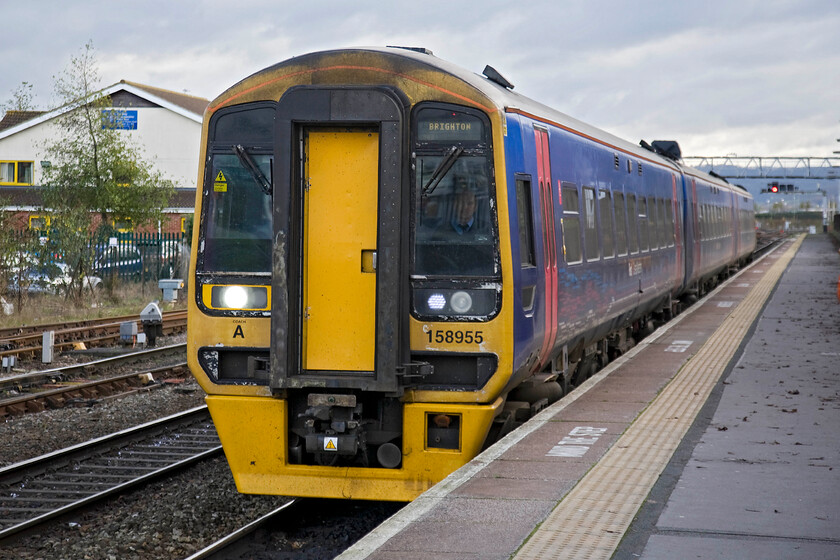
774, 188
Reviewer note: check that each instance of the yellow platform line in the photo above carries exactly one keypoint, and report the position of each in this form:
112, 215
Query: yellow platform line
591, 520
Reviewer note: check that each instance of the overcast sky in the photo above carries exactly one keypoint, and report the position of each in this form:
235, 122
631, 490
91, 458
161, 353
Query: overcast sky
754, 78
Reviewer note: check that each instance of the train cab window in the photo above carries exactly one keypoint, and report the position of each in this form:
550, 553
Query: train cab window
633, 225
237, 227
620, 223
641, 212
454, 227
607, 232
571, 223
525, 220
590, 225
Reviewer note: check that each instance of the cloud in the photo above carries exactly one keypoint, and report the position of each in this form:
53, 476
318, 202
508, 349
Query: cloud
715, 73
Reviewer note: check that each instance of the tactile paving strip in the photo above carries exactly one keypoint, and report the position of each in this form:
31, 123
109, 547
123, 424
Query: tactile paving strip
591, 520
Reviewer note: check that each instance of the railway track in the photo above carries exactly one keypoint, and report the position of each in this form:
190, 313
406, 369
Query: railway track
26, 342
59, 387
38, 490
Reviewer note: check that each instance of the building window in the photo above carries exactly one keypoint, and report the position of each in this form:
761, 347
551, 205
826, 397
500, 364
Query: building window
123, 225
39, 223
16, 172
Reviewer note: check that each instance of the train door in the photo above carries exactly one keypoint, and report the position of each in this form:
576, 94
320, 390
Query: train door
549, 243
339, 250
339, 315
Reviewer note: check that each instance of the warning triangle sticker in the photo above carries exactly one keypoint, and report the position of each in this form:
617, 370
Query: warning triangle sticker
329, 444
220, 178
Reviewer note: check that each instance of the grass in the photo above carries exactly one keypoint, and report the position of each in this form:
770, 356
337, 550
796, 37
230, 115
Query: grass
125, 299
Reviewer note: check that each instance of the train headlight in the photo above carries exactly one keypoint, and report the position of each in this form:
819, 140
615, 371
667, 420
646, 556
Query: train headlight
437, 302
236, 297
461, 302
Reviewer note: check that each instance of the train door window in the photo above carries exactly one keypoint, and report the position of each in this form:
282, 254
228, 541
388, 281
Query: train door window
633, 225
571, 224
620, 223
590, 225
607, 232
525, 220
641, 211
653, 224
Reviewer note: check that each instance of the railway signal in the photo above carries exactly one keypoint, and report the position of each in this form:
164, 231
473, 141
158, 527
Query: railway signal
775, 188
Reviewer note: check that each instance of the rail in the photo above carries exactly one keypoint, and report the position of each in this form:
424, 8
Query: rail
27, 344
35, 491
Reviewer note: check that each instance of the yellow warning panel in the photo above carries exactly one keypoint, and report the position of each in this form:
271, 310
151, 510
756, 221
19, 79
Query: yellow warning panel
340, 219
220, 183
330, 443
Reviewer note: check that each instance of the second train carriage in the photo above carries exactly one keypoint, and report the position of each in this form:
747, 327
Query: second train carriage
389, 246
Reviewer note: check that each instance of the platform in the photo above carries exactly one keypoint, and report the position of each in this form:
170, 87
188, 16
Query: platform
716, 437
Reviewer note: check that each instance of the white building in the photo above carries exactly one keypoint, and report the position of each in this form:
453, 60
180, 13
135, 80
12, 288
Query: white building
164, 124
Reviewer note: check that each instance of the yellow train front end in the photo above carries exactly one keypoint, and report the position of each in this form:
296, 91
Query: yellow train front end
345, 315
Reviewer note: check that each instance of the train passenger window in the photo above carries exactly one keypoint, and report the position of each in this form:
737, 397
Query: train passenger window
605, 212
633, 225
620, 223
525, 220
653, 222
641, 211
716, 222
571, 224
590, 226
663, 223
669, 208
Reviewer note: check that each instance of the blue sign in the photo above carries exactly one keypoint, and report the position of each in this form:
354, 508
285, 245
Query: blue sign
118, 119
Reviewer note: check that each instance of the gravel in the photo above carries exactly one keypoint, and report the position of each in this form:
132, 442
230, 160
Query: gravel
172, 518
175, 517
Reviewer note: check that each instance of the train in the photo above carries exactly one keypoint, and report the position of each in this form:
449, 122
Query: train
397, 261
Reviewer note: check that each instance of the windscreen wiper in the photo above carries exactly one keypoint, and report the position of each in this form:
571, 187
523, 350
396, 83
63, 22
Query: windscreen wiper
249, 164
442, 169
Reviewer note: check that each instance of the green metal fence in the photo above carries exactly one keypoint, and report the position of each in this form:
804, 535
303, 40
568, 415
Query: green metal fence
140, 256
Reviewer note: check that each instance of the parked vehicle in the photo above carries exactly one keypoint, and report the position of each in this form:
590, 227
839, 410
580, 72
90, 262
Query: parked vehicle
50, 278
118, 260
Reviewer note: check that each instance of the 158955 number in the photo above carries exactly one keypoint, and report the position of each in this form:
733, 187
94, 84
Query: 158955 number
458, 337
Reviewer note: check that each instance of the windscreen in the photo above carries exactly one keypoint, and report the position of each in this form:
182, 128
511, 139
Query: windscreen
238, 230
454, 226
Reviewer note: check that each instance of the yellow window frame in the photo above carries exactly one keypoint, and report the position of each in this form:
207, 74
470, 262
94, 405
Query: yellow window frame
46, 219
17, 171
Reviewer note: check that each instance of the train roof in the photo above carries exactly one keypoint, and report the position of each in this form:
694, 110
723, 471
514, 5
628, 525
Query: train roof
505, 99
